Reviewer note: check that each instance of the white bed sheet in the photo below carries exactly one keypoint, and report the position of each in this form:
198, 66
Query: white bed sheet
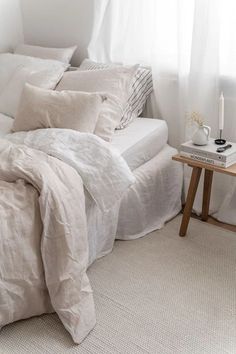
141, 140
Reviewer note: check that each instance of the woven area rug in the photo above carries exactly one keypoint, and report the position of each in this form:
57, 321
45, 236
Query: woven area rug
159, 294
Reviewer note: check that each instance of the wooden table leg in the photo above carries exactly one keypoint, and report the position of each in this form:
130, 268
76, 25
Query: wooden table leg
206, 194
196, 174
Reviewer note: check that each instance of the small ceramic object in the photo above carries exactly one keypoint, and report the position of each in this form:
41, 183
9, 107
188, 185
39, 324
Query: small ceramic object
201, 135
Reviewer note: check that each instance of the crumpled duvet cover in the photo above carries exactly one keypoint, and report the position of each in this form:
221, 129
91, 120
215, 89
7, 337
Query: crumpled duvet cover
43, 230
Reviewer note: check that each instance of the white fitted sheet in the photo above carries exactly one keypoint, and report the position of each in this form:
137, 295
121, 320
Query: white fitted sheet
141, 140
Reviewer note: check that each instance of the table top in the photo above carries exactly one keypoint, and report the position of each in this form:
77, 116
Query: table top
231, 170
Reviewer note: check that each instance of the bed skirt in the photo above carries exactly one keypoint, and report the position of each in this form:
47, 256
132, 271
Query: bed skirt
154, 199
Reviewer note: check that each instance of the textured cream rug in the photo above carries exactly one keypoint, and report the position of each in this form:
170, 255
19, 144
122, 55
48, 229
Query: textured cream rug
159, 294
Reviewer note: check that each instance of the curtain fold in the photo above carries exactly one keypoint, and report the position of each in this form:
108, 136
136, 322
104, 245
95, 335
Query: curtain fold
190, 46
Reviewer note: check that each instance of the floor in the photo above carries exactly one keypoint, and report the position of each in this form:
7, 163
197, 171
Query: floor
159, 294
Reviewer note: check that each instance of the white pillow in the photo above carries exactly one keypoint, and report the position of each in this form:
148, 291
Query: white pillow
61, 54
41, 108
16, 70
142, 86
115, 81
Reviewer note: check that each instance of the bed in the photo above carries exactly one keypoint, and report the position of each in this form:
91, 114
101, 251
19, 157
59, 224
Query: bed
123, 186
154, 198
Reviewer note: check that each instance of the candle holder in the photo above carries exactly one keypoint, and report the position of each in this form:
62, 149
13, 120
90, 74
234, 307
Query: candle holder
220, 141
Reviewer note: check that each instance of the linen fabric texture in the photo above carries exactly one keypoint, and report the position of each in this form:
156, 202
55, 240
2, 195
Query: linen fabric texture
157, 190
61, 54
40, 108
44, 250
115, 81
141, 89
42, 176
16, 70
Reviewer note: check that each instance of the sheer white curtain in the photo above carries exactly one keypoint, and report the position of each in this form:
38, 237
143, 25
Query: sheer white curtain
149, 32
191, 47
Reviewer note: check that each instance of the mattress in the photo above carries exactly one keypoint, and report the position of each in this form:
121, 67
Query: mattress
141, 140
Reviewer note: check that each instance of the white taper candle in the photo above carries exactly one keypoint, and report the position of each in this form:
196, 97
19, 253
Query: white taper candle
221, 111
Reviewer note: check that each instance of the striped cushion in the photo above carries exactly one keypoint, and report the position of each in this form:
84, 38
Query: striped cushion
141, 89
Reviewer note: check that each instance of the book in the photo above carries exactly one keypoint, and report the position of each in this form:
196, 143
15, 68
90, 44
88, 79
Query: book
208, 153
205, 159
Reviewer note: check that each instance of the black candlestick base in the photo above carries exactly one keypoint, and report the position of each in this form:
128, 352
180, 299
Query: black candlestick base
220, 141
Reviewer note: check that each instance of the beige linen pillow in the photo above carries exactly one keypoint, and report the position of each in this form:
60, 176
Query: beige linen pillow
40, 108
16, 70
116, 82
61, 54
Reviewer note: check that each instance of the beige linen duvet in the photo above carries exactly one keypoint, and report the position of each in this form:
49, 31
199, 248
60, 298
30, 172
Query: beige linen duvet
43, 231
43, 256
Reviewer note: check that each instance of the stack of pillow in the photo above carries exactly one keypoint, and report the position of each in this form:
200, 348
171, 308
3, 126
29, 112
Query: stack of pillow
114, 82
141, 88
97, 98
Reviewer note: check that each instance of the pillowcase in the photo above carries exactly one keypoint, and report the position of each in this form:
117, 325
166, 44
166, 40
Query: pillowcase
142, 87
16, 70
115, 81
61, 54
41, 108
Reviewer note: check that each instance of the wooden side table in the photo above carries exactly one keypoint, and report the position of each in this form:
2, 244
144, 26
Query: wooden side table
197, 168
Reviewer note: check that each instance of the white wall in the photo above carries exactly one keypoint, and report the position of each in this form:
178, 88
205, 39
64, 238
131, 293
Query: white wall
11, 32
58, 23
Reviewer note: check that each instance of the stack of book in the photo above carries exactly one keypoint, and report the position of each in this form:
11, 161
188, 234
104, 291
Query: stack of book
208, 153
